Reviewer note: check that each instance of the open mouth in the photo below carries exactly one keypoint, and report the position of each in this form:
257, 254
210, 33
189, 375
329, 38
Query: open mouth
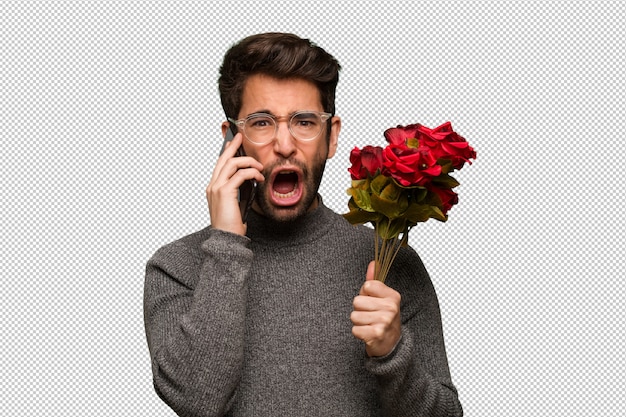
286, 188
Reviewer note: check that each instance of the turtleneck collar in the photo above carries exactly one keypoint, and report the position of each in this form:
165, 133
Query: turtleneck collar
307, 228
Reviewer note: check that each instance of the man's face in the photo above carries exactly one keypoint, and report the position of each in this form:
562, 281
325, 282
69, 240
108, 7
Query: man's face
292, 169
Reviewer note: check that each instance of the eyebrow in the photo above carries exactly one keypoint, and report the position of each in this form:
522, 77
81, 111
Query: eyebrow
267, 111
260, 111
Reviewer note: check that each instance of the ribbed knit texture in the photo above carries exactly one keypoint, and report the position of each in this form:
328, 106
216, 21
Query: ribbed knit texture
260, 325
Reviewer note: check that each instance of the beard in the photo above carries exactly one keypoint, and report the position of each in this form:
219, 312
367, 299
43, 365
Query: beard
311, 178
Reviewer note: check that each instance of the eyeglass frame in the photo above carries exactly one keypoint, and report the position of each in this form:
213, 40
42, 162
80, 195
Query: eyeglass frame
240, 123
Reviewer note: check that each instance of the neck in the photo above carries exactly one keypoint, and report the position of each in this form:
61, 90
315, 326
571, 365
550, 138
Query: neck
314, 221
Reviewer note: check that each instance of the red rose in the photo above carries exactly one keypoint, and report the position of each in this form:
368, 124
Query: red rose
399, 135
447, 144
410, 166
365, 162
447, 196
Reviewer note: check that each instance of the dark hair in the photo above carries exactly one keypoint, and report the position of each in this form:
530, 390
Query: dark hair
279, 55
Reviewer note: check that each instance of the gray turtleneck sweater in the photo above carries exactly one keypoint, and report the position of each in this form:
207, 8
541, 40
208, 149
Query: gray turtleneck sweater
259, 325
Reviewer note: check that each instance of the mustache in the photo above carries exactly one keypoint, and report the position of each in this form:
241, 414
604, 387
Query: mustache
267, 170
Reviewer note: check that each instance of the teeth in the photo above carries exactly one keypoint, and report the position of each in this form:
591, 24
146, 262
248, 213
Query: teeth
288, 195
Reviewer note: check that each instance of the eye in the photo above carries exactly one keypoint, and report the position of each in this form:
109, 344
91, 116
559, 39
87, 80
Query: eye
305, 121
259, 122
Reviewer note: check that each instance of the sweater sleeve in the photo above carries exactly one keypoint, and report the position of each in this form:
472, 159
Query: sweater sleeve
194, 311
414, 379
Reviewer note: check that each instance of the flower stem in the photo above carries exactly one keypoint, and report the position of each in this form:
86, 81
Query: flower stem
389, 249
376, 252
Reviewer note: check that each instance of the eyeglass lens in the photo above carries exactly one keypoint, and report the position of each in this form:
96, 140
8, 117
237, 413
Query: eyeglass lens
261, 128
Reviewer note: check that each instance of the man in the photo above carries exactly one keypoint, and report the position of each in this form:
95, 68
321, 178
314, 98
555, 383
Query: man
279, 316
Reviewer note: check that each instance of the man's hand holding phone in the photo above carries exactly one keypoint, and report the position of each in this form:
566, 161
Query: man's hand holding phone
231, 189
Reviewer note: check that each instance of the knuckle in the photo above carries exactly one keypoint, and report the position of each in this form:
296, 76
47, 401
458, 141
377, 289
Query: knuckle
394, 309
378, 332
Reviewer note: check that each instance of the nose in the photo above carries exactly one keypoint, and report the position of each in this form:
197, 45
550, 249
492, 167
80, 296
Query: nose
285, 143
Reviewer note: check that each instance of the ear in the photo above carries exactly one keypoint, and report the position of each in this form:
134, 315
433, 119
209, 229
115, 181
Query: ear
225, 127
335, 128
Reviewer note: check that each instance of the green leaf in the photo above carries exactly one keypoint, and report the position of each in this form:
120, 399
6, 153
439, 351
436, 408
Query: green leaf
358, 183
417, 213
438, 214
446, 181
396, 227
379, 183
391, 192
418, 194
432, 199
358, 216
361, 198
389, 199
390, 229
390, 209
446, 165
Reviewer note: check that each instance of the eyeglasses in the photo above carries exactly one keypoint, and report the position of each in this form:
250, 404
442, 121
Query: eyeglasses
261, 128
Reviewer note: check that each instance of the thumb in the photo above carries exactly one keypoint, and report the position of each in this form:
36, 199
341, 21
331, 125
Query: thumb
371, 269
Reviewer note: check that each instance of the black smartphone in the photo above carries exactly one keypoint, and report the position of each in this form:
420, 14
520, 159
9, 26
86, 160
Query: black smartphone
247, 190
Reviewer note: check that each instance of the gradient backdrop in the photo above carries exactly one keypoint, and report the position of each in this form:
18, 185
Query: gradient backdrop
110, 129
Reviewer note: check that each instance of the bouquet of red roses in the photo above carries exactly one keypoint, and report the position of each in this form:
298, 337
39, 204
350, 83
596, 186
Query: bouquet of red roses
405, 183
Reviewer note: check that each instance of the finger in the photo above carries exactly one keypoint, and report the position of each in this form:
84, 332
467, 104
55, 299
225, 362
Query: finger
362, 333
374, 304
229, 151
369, 333
234, 171
371, 318
369, 275
241, 171
379, 290
228, 175
367, 303
230, 147
225, 190
229, 163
